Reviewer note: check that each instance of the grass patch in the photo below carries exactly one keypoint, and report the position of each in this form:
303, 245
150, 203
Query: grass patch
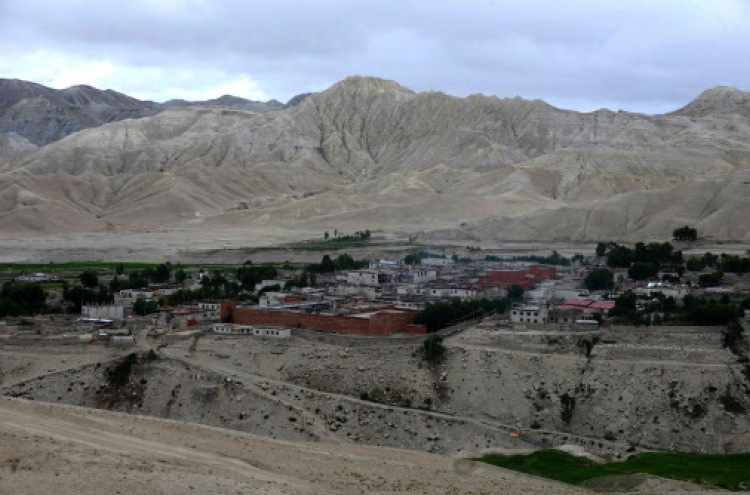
79, 265
726, 471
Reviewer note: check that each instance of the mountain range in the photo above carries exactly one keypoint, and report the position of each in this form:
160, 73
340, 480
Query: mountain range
370, 153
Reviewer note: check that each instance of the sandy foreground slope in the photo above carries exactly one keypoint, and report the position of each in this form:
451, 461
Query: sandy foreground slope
67, 450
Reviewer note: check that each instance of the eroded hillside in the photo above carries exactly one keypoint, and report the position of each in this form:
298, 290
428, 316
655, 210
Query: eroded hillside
368, 152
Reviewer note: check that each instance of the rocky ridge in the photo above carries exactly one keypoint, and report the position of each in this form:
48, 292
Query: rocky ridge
370, 153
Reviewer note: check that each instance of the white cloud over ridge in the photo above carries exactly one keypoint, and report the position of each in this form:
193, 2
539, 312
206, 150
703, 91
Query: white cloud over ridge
633, 54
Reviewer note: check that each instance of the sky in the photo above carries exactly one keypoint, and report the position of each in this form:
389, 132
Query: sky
646, 56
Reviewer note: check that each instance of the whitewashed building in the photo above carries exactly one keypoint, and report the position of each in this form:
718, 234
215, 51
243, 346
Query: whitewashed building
676, 291
230, 328
366, 277
529, 314
437, 261
37, 277
422, 275
103, 311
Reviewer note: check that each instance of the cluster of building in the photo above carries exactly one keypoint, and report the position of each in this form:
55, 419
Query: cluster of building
386, 297
383, 299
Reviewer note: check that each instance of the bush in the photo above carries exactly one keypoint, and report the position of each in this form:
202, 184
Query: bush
89, 279
568, 403
600, 279
119, 376
710, 279
642, 270
685, 234
433, 349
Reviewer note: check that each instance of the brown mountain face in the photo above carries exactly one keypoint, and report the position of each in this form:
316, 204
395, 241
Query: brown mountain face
41, 115
369, 153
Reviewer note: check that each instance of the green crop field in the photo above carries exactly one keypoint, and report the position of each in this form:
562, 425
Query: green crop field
730, 471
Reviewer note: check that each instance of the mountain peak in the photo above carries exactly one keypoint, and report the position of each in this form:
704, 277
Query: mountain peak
717, 99
368, 83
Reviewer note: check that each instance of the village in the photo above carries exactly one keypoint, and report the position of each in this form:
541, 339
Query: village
370, 299
423, 349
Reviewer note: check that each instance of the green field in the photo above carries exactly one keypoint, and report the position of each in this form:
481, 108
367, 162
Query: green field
726, 471
100, 265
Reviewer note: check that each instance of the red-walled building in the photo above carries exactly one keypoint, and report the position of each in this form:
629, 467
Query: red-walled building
525, 277
381, 322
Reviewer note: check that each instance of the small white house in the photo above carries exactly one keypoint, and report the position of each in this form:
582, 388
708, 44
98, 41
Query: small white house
229, 328
529, 314
423, 275
676, 291
366, 277
36, 277
437, 261
108, 311
272, 300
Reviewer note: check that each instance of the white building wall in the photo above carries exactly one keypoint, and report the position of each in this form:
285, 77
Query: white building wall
529, 314
109, 311
229, 328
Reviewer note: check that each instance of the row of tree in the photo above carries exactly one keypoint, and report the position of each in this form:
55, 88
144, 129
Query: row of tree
441, 315
553, 259
693, 310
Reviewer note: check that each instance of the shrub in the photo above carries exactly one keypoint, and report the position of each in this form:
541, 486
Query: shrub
433, 349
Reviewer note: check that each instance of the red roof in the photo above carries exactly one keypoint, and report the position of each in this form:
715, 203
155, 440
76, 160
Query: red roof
587, 305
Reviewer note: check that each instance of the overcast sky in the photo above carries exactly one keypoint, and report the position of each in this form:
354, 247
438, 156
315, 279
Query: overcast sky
650, 55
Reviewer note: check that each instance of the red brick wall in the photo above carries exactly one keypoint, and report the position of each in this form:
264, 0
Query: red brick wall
377, 324
526, 278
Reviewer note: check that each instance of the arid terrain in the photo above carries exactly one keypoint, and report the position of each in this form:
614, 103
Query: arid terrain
67, 450
369, 153
498, 390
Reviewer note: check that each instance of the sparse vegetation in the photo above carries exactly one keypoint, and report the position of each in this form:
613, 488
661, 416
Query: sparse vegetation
433, 349
119, 376
685, 234
568, 404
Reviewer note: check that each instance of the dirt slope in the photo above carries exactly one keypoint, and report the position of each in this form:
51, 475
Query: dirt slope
67, 450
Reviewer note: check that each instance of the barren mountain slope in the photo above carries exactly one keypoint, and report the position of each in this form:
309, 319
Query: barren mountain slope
67, 450
368, 153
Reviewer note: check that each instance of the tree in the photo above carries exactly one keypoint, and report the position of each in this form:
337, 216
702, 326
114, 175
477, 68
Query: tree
21, 299
326, 235
685, 234
114, 285
327, 265
709, 259
620, 256
601, 249
600, 279
180, 276
161, 274
433, 349
89, 279
515, 292
710, 279
143, 307
642, 270
695, 264
77, 296
119, 268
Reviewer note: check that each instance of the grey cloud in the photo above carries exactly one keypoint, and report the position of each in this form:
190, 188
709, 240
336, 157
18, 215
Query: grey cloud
638, 55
